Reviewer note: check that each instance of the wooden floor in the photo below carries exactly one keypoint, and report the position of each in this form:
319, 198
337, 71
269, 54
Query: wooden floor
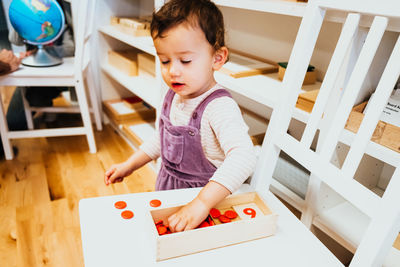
40, 190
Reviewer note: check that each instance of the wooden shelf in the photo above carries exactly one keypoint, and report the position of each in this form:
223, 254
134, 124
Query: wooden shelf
144, 43
144, 86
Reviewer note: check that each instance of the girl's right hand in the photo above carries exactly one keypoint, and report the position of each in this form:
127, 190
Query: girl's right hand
117, 173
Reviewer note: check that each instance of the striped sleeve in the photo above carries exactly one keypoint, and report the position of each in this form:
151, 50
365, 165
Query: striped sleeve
226, 121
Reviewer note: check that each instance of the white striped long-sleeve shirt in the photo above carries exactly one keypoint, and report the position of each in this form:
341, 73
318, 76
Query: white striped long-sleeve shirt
224, 138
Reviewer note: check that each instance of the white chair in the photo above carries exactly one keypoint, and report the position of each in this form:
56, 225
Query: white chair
330, 114
125, 243
73, 72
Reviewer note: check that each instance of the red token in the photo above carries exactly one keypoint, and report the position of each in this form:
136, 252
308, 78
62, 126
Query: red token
127, 214
231, 214
120, 205
162, 230
155, 203
215, 213
159, 222
224, 219
204, 224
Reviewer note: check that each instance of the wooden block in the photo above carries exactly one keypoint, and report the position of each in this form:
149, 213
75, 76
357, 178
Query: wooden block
125, 61
120, 113
147, 63
132, 23
384, 134
257, 139
114, 20
390, 137
240, 66
306, 100
310, 78
201, 239
397, 242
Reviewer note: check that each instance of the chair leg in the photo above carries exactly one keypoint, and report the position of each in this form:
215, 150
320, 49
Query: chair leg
8, 152
83, 105
28, 112
93, 98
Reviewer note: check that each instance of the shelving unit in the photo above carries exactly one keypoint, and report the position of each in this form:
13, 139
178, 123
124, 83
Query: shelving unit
264, 90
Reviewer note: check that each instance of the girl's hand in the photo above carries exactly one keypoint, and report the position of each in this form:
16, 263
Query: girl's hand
117, 173
189, 216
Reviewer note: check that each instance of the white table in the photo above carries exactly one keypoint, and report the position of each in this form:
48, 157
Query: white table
108, 240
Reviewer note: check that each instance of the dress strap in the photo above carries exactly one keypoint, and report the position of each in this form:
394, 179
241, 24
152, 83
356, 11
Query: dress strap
197, 114
166, 108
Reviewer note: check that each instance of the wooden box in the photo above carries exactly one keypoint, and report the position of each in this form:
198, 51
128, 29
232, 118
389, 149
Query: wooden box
147, 63
220, 235
385, 134
310, 78
121, 113
241, 66
124, 61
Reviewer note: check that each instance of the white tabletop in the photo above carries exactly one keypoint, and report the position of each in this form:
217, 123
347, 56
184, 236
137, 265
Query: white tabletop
109, 240
60, 75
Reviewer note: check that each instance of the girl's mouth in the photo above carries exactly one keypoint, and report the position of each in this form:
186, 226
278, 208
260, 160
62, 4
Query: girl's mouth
176, 85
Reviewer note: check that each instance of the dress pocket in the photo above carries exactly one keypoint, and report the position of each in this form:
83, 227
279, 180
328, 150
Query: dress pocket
173, 147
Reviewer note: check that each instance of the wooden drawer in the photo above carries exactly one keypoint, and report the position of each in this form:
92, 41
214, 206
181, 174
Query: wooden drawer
243, 228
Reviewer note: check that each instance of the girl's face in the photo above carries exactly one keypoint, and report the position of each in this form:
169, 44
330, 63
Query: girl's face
188, 61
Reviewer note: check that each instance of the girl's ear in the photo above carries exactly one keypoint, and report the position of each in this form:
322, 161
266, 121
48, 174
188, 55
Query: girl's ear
220, 58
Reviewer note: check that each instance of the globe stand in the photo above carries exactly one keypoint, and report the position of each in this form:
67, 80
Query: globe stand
41, 58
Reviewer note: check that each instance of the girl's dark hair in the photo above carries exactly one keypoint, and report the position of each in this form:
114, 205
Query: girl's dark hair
202, 13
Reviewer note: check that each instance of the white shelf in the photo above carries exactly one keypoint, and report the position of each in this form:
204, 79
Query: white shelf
144, 43
290, 8
344, 223
144, 86
263, 89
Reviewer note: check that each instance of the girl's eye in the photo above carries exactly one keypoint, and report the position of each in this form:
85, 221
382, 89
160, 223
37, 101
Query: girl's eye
164, 62
186, 61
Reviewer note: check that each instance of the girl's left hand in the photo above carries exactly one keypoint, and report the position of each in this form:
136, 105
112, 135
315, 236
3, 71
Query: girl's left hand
189, 216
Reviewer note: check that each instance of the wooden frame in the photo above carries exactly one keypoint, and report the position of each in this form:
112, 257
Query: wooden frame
196, 240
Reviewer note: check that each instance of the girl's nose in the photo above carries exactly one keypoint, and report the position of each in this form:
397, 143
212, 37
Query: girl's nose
174, 69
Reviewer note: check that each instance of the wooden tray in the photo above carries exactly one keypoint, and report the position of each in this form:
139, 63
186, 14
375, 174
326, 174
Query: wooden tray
385, 134
139, 131
241, 66
201, 239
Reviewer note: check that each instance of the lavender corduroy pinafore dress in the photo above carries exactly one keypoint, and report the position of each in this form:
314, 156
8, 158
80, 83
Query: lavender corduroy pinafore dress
183, 162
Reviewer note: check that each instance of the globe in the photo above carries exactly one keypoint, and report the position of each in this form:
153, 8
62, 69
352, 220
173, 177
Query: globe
38, 22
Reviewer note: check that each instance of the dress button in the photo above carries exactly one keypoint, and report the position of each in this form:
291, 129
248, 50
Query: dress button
194, 115
191, 133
